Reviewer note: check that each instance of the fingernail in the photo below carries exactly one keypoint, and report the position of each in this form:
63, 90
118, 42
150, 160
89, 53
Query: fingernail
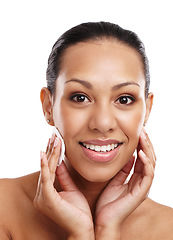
56, 142
52, 138
144, 135
60, 162
41, 154
142, 153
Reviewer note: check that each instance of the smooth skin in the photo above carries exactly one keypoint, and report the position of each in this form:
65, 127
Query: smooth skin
70, 209
100, 94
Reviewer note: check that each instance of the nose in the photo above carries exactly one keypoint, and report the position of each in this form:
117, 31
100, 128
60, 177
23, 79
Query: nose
103, 119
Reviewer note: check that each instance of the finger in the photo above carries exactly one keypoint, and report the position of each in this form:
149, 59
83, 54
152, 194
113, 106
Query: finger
45, 179
150, 144
139, 166
146, 137
43, 162
50, 146
144, 145
148, 173
120, 178
141, 181
44, 174
147, 147
64, 178
39, 179
46, 188
148, 166
54, 157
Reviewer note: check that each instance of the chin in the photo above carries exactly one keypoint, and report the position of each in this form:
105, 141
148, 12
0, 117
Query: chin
97, 179
99, 175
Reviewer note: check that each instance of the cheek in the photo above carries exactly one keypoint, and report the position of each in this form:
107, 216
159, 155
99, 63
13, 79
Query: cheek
69, 121
131, 122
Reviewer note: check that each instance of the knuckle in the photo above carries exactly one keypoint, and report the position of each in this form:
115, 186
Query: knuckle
48, 146
152, 174
44, 179
41, 203
37, 203
55, 152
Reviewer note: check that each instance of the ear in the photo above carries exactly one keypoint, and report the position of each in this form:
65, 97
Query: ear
47, 105
149, 104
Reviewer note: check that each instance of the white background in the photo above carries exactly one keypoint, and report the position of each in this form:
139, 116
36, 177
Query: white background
28, 29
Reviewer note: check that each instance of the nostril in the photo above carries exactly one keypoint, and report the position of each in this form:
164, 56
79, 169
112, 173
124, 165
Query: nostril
101, 130
102, 119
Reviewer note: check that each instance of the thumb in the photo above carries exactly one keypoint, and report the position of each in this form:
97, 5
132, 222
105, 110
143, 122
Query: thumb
64, 178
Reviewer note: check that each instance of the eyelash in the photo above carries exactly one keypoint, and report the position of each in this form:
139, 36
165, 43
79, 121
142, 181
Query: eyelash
126, 97
72, 98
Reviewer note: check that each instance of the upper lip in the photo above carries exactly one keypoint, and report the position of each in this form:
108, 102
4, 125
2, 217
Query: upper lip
101, 142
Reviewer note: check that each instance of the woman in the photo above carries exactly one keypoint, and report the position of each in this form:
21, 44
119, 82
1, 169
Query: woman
98, 97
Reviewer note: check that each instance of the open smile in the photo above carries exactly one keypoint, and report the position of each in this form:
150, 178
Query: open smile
101, 151
103, 148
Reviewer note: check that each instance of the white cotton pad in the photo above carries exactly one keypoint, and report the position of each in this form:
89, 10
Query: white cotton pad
62, 154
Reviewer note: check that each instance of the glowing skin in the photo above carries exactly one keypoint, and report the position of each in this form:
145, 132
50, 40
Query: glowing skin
88, 107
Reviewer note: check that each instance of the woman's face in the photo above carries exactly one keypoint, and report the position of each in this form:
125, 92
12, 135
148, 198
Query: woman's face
100, 107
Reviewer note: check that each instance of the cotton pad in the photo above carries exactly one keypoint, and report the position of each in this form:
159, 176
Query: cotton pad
62, 154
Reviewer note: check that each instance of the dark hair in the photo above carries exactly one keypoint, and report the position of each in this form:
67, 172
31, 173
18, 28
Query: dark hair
93, 31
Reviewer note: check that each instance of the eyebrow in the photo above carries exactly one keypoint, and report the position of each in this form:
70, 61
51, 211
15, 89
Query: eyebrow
124, 84
89, 85
84, 83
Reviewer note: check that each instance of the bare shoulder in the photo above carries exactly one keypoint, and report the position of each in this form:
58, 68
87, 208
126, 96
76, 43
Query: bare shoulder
14, 198
162, 218
150, 220
12, 191
160, 211
7, 193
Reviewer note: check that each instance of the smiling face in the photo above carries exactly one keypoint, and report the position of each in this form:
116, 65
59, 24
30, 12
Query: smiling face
100, 107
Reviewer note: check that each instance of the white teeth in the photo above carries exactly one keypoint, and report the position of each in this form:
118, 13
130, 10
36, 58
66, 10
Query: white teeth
104, 148
97, 148
92, 147
112, 146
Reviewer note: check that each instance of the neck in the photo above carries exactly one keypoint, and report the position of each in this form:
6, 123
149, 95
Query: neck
91, 190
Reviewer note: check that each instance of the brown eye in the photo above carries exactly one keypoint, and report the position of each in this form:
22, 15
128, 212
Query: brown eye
80, 98
125, 100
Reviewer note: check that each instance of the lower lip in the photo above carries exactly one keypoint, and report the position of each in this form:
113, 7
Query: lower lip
100, 156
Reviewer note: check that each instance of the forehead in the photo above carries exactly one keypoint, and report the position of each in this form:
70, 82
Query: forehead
102, 59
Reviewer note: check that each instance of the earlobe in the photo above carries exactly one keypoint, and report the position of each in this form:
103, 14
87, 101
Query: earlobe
149, 104
46, 100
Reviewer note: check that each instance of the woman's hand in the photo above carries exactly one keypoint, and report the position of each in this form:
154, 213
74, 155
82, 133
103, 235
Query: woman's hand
68, 208
120, 199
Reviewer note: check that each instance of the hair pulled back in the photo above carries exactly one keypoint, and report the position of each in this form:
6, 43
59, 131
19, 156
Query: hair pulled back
93, 31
